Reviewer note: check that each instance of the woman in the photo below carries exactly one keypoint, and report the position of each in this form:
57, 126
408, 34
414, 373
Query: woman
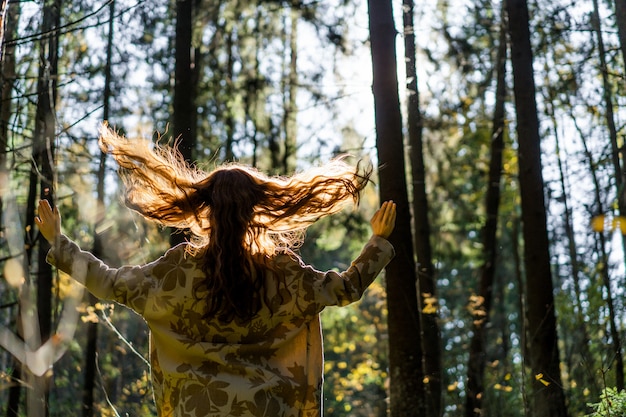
234, 312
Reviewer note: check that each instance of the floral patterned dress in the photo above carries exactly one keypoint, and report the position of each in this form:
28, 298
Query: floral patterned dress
271, 365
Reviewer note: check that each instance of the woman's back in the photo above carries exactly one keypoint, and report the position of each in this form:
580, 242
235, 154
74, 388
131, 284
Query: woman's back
274, 359
204, 366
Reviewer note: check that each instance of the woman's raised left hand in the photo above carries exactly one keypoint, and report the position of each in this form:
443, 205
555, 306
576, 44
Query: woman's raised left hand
48, 221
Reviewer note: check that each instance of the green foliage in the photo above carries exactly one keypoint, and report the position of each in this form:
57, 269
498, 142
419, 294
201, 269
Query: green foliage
612, 404
356, 360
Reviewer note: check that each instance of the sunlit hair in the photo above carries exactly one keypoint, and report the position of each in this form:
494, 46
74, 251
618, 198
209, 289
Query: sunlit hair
238, 217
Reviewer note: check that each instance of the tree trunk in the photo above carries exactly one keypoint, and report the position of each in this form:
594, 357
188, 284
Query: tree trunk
185, 89
229, 153
620, 181
290, 95
620, 19
477, 354
426, 286
542, 339
43, 157
617, 152
521, 304
91, 350
581, 339
9, 33
407, 393
601, 248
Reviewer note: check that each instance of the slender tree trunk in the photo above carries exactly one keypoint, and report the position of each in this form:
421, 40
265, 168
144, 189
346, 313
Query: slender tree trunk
549, 399
477, 354
290, 94
620, 181
620, 18
229, 154
43, 157
7, 81
4, 6
582, 339
251, 98
11, 12
406, 387
604, 258
583, 347
521, 304
185, 89
426, 286
616, 151
91, 351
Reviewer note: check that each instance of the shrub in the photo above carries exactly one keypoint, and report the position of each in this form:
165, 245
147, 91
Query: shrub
612, 404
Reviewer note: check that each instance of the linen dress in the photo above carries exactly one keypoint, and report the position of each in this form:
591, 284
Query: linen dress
271, 365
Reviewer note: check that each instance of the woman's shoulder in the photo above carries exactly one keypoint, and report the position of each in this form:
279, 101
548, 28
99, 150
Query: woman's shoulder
179, 258
287, 258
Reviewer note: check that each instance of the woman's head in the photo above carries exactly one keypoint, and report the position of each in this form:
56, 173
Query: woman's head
226, 199
268, 213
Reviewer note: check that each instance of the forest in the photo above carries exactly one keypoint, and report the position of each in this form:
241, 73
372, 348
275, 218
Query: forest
497, 127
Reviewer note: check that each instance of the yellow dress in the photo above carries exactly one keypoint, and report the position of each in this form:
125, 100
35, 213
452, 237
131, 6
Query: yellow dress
271, 365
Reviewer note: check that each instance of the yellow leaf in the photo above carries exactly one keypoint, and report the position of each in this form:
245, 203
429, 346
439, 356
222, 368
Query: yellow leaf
597, 223
507, 377
539, 377
429, 309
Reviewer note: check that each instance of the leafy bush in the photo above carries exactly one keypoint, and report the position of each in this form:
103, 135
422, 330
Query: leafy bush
612, 404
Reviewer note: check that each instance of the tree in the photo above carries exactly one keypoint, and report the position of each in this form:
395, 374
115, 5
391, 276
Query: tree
620, 182
185, 87
620, 17
290, 91
91, 355
407, 391
7, 80
431, 340
482, 309
542, 336
42, 176
616, 152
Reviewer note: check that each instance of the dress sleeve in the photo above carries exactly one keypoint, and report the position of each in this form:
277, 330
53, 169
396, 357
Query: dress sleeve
128, 285
342, 288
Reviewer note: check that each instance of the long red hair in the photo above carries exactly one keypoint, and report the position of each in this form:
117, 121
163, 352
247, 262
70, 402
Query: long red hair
239, 218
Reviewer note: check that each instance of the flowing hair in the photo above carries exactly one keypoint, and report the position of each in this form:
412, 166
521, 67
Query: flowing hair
238, 217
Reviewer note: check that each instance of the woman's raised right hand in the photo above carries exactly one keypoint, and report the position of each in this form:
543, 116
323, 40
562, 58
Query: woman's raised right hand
384, 220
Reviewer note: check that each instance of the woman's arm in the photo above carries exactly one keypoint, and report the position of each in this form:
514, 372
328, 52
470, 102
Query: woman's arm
323, 289
128, 285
